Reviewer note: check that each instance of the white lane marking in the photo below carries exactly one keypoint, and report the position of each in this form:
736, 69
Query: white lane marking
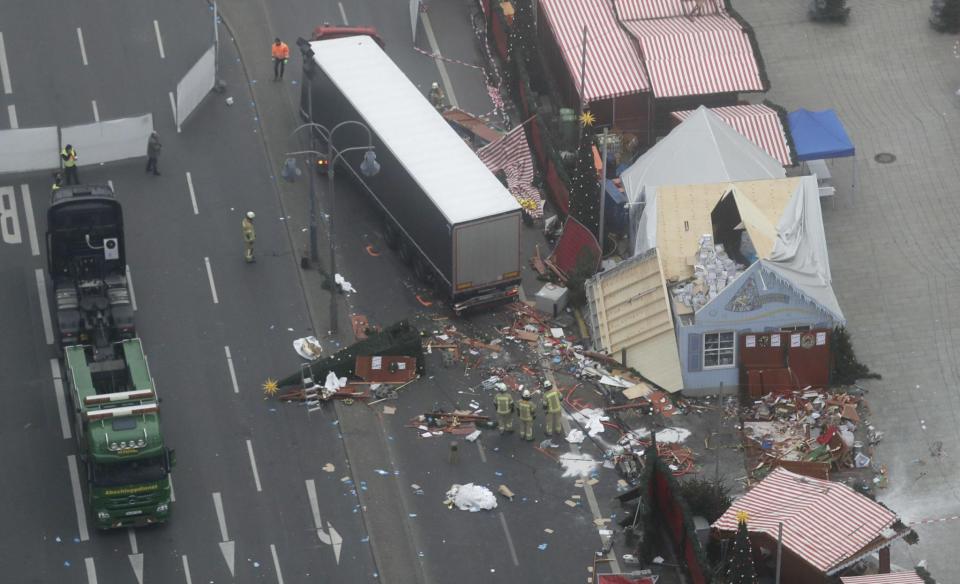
96, 110
91, 570
133, 297
12, 113
173, 494
110, 182
193, 195
44, 306
4, 68
276, 563
218, 505
253, 465
226, 546
343, 14
483, 452
513, 550
61, 401
213, 287
83, 49
330, 537
438, 59
31, 224
132, 536
186, 570
173, 107
78, 498
156, 28
233, 373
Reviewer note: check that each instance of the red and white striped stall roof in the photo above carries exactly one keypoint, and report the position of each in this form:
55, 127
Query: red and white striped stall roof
511, 154
760, 124
613, 64
824, 523
898, 578
645, 9
697, 56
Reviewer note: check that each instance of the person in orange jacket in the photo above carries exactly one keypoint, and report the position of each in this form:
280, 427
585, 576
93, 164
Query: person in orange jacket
281, 54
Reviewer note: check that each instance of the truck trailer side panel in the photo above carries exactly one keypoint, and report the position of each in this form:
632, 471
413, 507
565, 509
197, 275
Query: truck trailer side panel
483, 248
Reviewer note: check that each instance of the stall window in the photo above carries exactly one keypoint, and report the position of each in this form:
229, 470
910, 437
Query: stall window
718, 349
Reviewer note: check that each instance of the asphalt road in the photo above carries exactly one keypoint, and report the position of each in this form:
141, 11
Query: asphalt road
249, 470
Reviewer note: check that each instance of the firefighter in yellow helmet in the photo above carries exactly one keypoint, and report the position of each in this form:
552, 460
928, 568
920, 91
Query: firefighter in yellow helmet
249, 236
551, 403
505, 407
527, 413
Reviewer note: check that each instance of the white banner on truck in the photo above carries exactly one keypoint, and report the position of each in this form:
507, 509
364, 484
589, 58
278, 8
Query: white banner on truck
109, 141
29, 149
195, 85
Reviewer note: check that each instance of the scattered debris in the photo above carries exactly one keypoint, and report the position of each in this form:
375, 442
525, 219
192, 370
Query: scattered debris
308, 347
470, 497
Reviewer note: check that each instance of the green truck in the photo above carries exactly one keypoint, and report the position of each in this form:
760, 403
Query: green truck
117, 426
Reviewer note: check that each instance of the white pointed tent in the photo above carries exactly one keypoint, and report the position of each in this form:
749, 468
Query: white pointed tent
702, 149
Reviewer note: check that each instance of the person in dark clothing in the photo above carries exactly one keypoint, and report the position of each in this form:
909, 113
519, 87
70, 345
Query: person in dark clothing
153, 152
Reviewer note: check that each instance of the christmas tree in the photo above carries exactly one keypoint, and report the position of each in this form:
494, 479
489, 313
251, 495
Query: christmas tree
523, 42
584, 188
740, 565
945, 15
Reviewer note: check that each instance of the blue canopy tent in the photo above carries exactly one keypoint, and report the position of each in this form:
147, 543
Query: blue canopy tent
819, 135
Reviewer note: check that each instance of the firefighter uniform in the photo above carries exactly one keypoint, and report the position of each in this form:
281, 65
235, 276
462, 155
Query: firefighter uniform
551, 403
505, 407
249, 236
526, 413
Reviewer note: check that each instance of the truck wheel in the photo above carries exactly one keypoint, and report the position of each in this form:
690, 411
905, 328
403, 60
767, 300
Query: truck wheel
390, 234
406, 251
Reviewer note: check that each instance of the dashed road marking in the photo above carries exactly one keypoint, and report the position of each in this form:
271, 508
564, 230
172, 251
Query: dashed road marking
78, 498
513, 550
12, 114
276, 563
96, 110
233, 372
343, 14
91, 570
31, 223
186, 570
253, 466
213, 287
193, 195
156, 28
61, 400
44, 306
83, 49
438, 59
4, 68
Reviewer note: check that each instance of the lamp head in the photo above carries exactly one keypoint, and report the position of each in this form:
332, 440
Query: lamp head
369, 166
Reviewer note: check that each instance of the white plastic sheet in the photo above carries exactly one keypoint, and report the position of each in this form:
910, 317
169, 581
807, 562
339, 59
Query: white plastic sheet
195, 85
472, 498
109, 140
29, 149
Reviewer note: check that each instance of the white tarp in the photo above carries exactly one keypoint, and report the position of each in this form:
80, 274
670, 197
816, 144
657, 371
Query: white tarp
800, 252
471, 497
703, 149
28, 149
110, 140
195, 85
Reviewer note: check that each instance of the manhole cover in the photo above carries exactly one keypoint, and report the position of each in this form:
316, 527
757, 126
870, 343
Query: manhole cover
884, 158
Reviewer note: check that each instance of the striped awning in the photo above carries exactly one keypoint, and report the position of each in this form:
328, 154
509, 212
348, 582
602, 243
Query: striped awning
898, 578
613, 66
824, 523
692, 47
511, 154
761, 124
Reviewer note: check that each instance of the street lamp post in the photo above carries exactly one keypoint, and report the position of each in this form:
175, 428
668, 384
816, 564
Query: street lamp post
369, 167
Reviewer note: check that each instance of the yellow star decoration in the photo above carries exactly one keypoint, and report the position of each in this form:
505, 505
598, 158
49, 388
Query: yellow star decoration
270, 386
587, 119
742, 516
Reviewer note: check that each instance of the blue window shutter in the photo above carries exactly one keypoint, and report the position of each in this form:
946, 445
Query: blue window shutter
694, 352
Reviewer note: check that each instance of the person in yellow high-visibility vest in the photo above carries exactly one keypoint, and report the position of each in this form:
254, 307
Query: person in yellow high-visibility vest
69, 157
527, 413
551, 403
505, 407
249, 236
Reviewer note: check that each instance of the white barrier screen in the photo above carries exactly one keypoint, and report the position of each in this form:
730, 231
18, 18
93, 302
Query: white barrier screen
195, 85
29, 149
110, 140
